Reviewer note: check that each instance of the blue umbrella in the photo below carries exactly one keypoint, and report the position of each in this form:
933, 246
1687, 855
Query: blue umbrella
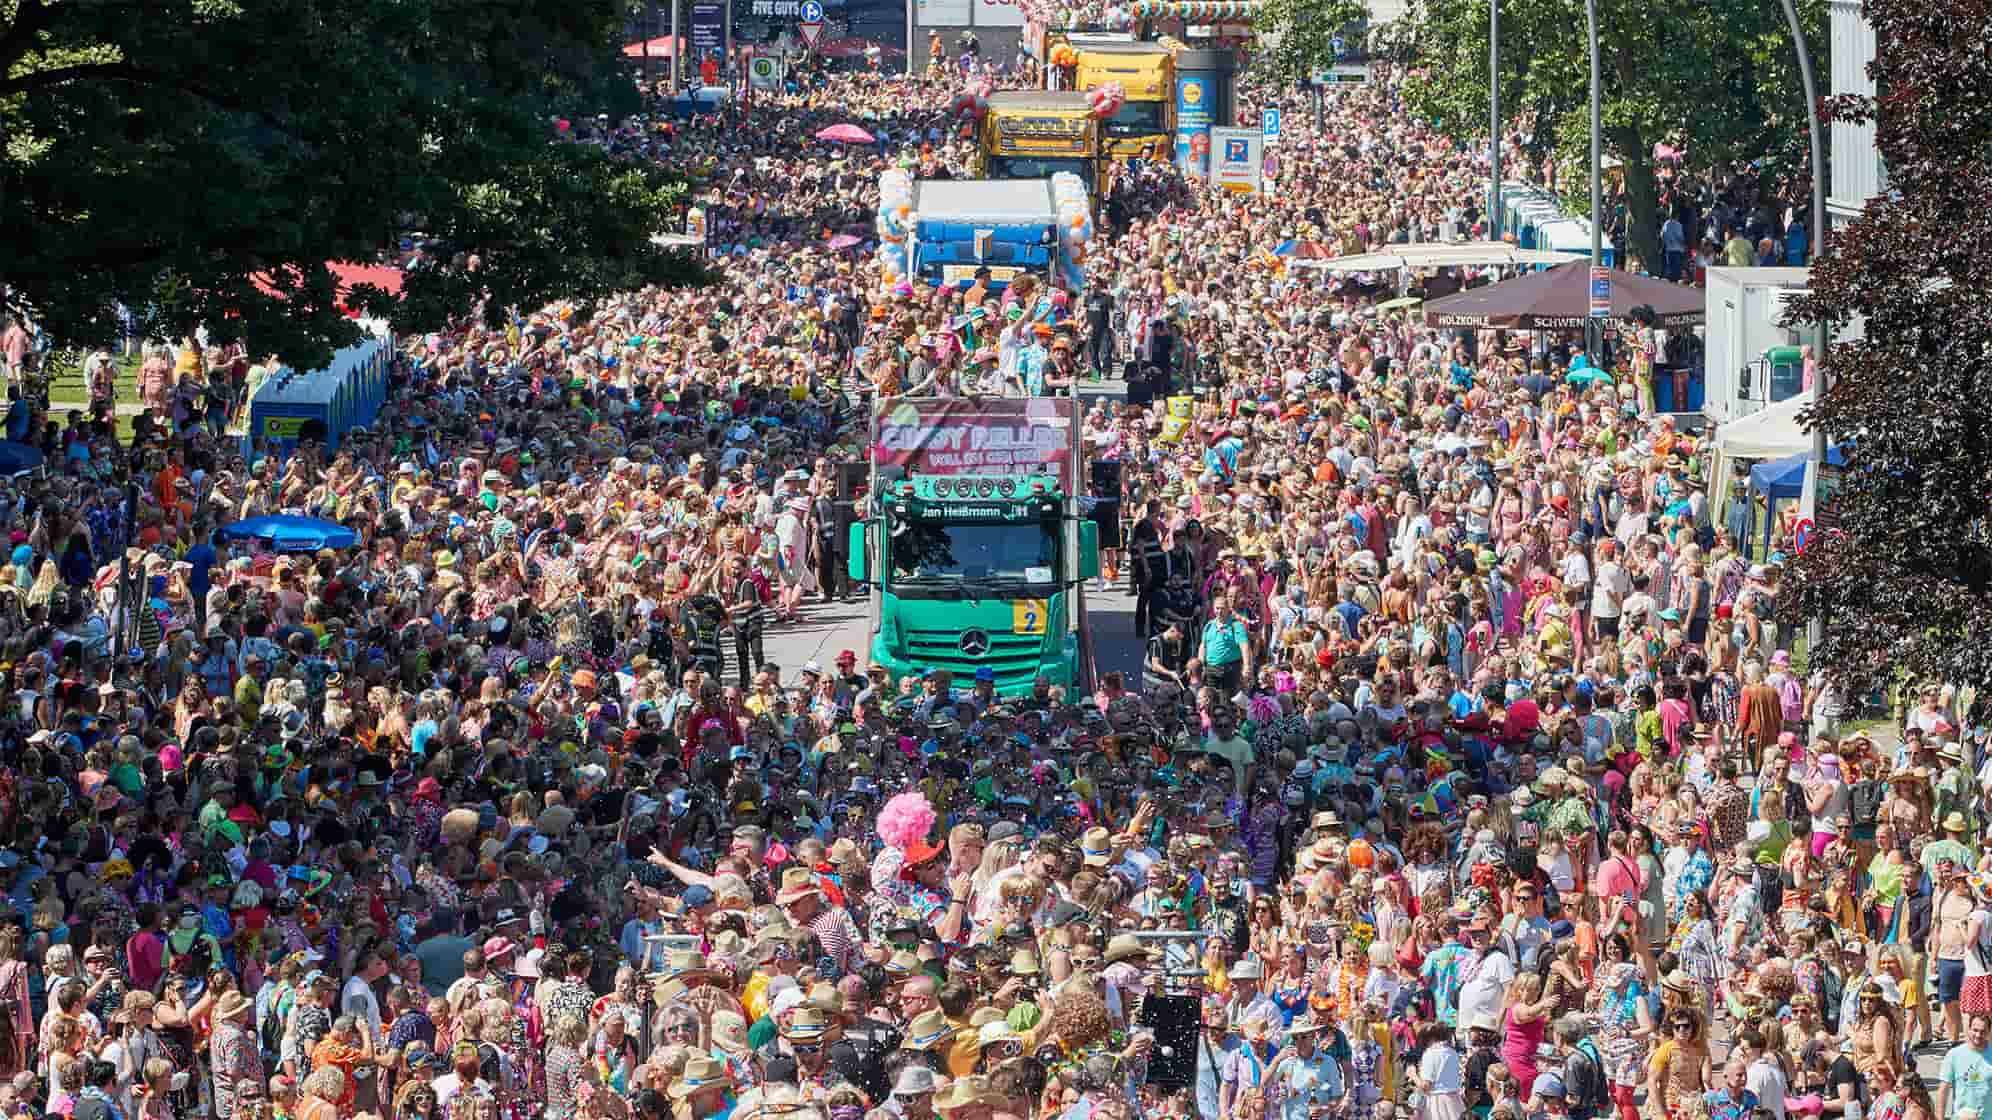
1286, 248
18, 457
287, 533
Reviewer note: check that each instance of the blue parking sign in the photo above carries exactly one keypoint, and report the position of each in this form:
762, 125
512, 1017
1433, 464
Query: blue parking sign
1269, 124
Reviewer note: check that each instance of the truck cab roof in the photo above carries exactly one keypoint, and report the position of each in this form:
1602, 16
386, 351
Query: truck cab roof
988, 201
1037, 100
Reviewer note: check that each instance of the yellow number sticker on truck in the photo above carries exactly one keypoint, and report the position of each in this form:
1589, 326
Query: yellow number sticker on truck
1027, 616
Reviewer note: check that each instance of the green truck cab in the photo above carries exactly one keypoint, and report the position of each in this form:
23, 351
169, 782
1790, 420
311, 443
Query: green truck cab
975, 542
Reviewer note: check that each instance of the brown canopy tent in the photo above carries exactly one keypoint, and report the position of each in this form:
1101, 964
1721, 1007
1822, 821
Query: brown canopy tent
1560, 298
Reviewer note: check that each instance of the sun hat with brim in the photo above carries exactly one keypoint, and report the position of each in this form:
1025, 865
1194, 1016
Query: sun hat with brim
964, 1092
232, 1005
1955, 822
700, 1073
683, 964
921, 852
1305, 1024
1126, 946
797, 884
927, 1031
914, 1080
806, 1022
996, 1032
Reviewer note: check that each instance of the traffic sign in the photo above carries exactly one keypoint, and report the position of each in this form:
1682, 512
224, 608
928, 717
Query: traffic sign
1269, 125
810, 33
1601, 293
812, 11
1801, 535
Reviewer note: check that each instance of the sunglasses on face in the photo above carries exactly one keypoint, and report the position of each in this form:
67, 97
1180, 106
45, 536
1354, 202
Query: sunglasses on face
807, 1047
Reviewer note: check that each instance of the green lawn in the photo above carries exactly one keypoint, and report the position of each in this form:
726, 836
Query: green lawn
66, 390
65, 385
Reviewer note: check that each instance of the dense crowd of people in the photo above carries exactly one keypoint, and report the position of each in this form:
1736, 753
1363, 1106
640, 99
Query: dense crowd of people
1469, 771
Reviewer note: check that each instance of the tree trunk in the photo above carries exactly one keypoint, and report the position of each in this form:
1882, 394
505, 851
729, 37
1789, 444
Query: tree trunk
1642, 198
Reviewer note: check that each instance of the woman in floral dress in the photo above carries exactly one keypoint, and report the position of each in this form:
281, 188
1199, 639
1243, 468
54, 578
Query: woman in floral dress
1624, 1019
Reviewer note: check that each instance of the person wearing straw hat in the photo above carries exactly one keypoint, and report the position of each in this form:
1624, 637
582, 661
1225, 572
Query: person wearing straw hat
1306, 1080
1246, 1069
1951, 847
804, 1037
701, 1090
234, 1055
966, 1098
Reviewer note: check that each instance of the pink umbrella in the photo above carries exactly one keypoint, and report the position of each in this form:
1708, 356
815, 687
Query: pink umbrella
845, 134
842, 241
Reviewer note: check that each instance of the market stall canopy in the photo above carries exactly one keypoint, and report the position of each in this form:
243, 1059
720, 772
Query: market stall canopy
1772, 432
1784, 479
1560, 298
663, 46
1436, 254
286, 533
347, 275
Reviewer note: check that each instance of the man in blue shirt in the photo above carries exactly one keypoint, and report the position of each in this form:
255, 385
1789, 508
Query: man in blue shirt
19, 417
1965, 1079
1227, 648
202, 559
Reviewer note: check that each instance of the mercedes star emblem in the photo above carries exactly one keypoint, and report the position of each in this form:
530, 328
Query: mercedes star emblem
975, 643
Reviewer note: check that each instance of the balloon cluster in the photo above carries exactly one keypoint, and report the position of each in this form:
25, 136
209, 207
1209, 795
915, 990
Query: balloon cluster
973, 101
1064, 54
1106, 100
1075, 226
895, 221
1196, 9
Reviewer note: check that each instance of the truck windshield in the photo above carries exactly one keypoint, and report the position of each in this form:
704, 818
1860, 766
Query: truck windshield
1037, 167
1136, 118
925, 551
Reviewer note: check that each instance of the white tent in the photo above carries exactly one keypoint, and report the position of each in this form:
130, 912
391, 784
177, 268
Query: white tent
1772, 432
1769, 433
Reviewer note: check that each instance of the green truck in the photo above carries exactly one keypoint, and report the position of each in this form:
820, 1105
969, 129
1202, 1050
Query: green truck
974, 540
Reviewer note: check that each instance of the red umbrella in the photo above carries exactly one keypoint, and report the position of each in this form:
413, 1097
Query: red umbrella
845, 134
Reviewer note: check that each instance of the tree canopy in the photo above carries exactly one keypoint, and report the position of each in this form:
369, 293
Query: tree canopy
1903, 574
1718, 80
165, 156
1303, 36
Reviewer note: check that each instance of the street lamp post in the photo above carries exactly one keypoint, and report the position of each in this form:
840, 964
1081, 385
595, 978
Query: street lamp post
1816, 142
1593, 335
1494, 114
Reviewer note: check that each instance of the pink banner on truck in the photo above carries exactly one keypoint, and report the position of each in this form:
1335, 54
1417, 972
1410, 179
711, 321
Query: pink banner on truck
943, 436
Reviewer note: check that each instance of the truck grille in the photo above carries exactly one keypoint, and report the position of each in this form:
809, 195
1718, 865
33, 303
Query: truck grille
1013, 656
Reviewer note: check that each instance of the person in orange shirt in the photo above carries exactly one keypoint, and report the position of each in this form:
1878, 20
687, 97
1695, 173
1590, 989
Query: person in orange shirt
162, 483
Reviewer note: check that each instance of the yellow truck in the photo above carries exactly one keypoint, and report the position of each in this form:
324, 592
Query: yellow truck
1145, 126
1029, 134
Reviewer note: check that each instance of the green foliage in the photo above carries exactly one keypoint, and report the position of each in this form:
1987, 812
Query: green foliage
1903, 576
1303, 34
161, 155
1717, 79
